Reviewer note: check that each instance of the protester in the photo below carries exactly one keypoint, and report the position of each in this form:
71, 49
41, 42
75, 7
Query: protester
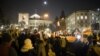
5, 46
39, 43
27, 49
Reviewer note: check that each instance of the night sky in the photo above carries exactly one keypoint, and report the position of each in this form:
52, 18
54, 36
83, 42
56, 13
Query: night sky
11, 8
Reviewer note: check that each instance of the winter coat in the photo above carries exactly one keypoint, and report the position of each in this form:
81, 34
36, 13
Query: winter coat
6, 50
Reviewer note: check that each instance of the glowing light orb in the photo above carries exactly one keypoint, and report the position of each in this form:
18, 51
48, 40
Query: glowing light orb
46, 15
45, 2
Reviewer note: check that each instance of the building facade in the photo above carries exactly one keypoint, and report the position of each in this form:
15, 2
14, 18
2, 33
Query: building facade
82, 18
23, 19
95, 19
34, 21
78, 19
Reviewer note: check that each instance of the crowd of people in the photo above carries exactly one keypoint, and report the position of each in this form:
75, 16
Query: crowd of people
36, 43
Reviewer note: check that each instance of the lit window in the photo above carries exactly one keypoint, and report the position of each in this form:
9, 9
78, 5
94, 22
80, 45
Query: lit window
96, 18
81, 17
58, 23
92, 18
92, 14
85, 17
62, 18
77, 17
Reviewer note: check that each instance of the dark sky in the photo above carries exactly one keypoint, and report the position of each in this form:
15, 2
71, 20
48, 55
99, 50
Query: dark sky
11, 8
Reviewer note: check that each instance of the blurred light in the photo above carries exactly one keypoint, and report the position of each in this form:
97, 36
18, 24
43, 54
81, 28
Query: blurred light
58, 23
45, 2
98, 9
17, 28
85, 17
92, 18
71, 39
22, 29
2, 27
47, 32
47, 29
87, 31
25, 27
98, 43
77, 17
60, 32
78, 36
46, 15
97, 19
62, 18
35, 16
81, 17
92, 14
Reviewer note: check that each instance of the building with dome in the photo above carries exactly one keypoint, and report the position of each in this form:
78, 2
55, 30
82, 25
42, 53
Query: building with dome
34, 21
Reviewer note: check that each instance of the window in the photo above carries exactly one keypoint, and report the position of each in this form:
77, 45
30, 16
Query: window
92, 14
77, 17
85, 17
81, 17
97, 19
92, 18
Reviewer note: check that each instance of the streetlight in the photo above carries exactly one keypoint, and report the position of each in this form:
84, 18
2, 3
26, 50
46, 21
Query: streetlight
45, 16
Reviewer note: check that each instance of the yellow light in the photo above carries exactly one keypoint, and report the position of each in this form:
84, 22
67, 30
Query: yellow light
71, 39
87, 31
58, 23
46, 15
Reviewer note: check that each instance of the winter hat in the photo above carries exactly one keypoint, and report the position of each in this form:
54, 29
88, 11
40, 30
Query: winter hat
27, 45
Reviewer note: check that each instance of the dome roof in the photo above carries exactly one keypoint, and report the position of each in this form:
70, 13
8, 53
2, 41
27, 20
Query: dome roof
35, 16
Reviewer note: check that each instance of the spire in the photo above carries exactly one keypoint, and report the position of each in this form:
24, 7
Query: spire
62, 14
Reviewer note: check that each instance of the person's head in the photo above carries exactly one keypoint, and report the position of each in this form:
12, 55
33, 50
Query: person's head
6, 38
27, 45
27, 41
35, 31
